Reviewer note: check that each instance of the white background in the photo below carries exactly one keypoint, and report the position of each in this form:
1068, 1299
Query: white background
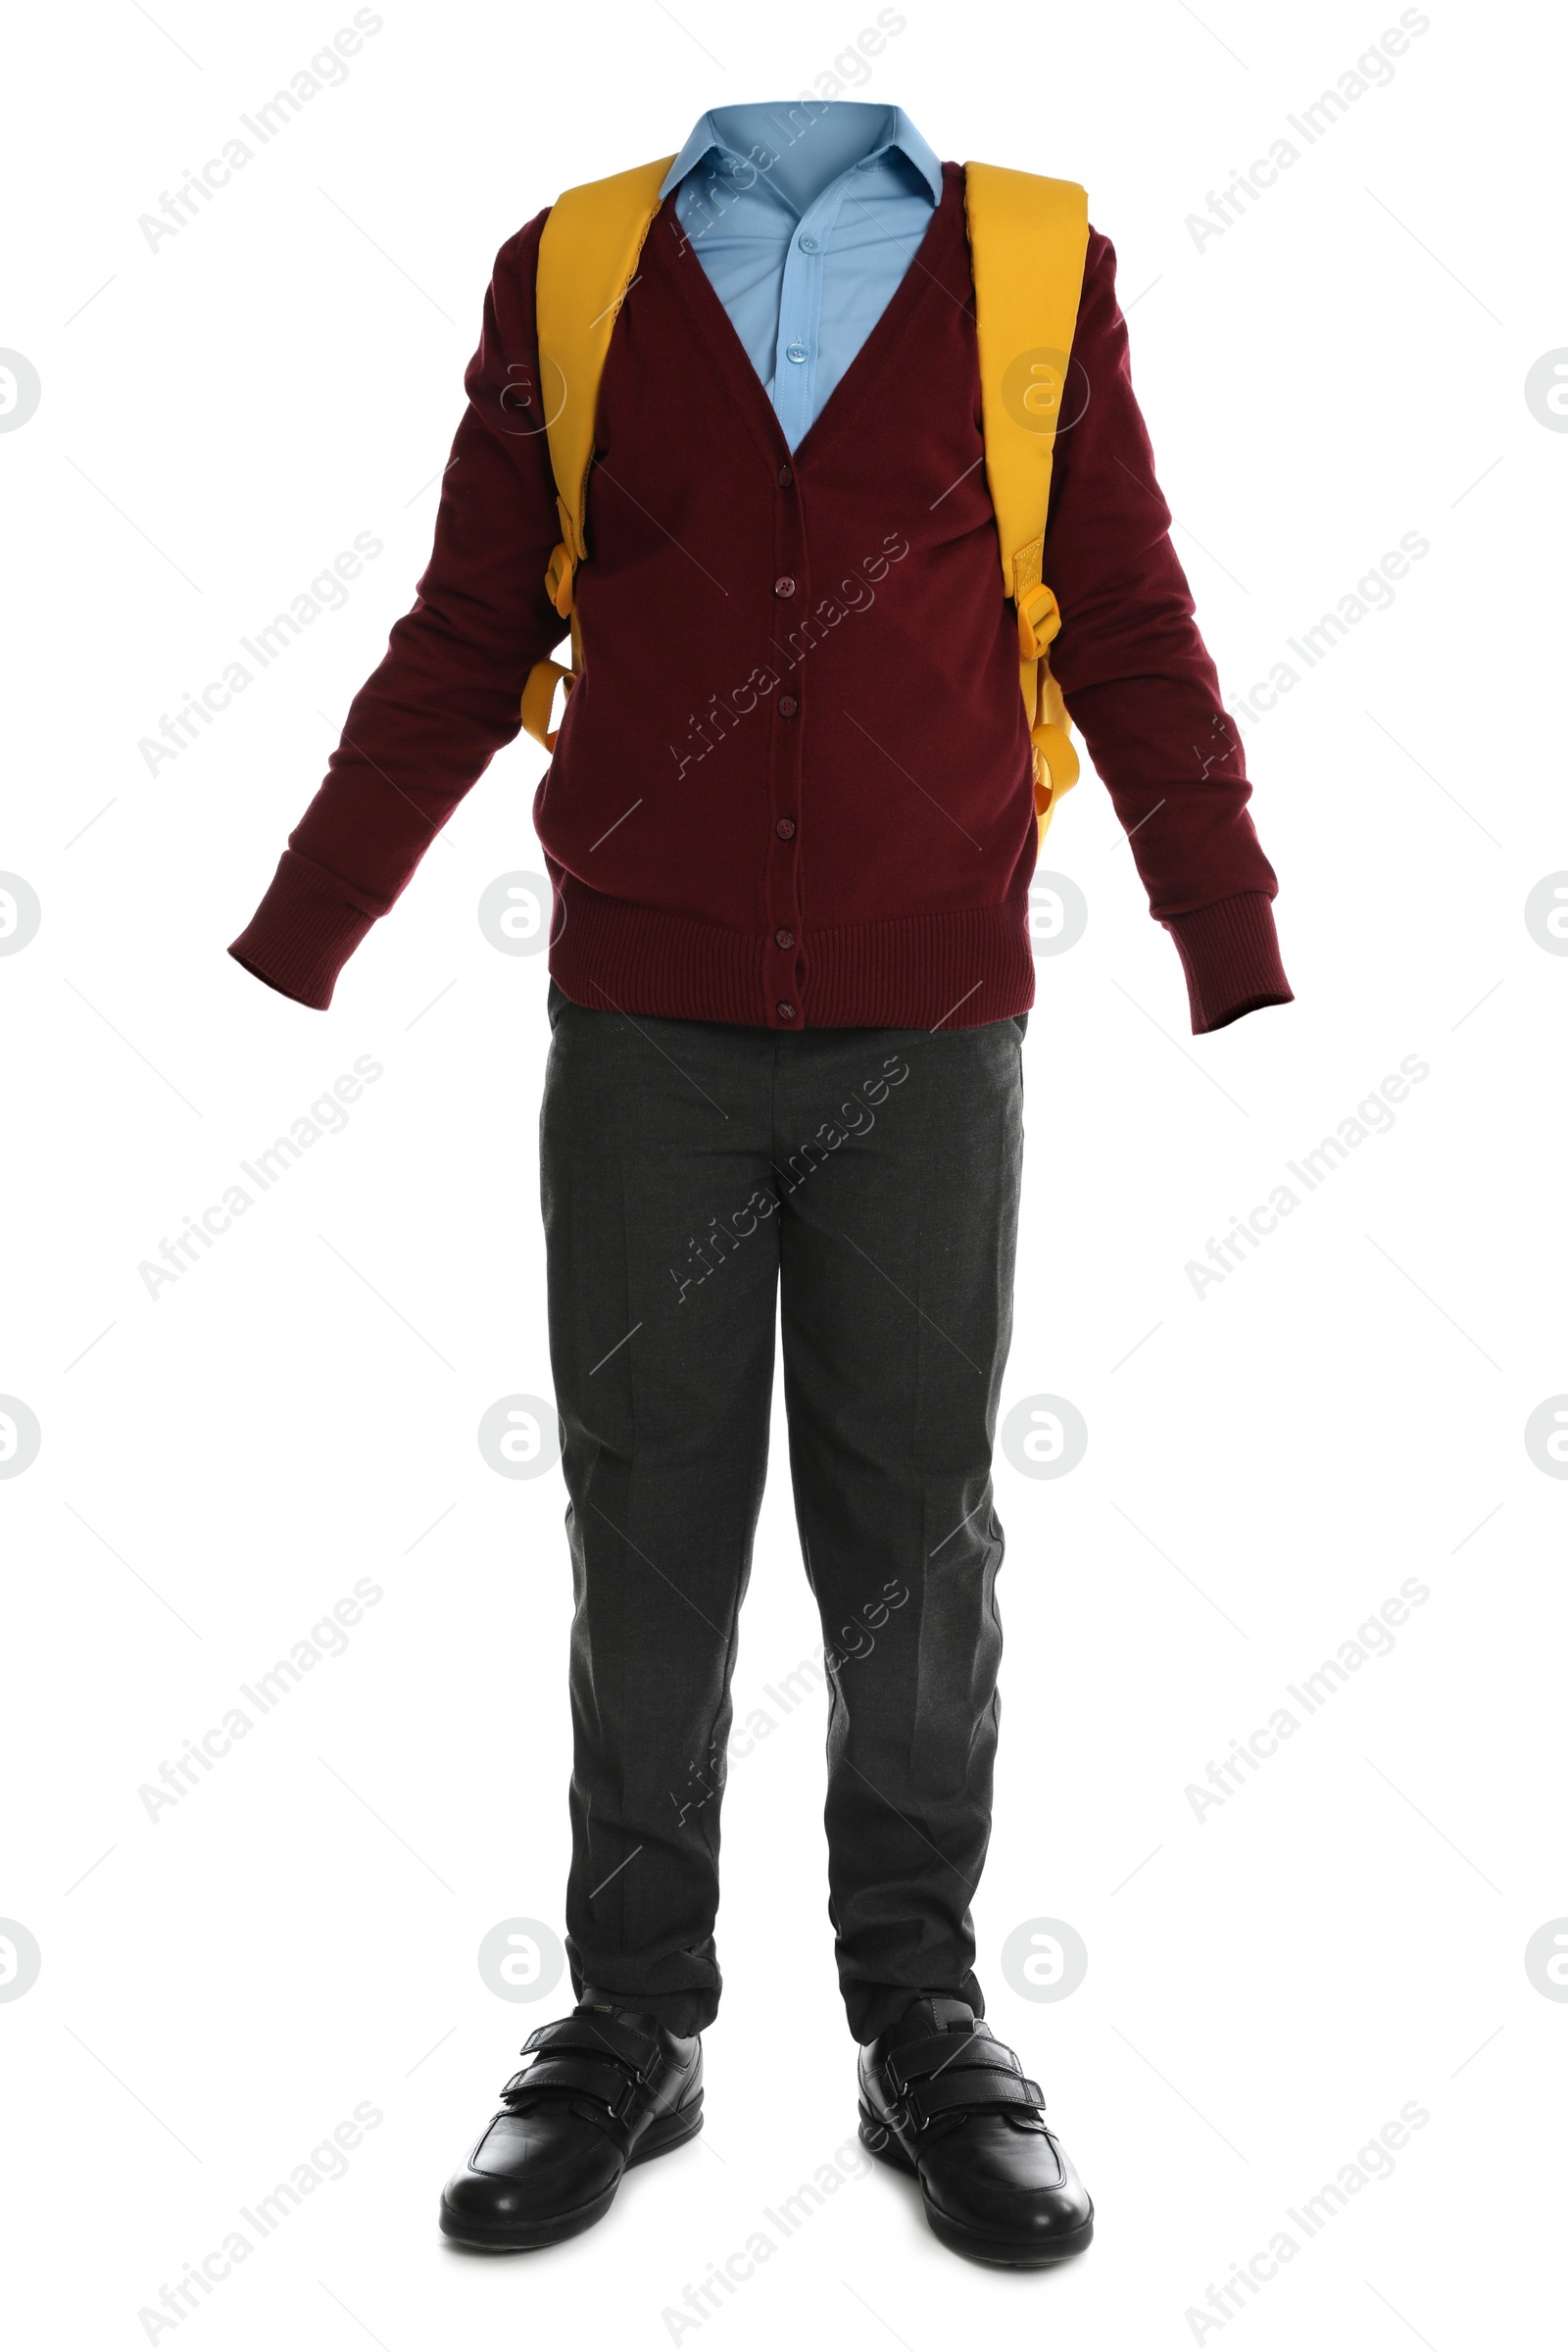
1268, 1986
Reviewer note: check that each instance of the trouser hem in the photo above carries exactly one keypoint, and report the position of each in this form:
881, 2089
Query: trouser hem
873, 2008
686, 2012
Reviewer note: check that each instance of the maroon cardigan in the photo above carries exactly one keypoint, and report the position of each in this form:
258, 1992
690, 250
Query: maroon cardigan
791, 786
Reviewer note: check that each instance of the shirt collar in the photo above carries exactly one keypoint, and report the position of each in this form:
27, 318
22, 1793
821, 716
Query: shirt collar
890, 126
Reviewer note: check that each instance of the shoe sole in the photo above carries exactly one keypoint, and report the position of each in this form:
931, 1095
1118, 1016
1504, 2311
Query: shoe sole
670, 2131
1003, 2252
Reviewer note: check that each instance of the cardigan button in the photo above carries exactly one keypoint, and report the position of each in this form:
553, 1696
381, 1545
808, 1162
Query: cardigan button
787, 705
784, 585
785, 938
785, 828
786, 1012
786, 477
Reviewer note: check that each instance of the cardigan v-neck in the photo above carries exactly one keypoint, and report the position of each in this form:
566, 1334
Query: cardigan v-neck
803, 218
716, 330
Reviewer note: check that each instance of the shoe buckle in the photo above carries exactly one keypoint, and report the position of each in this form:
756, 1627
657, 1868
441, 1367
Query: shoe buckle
625, 2098
904, 2112
907, 2110
897, 2078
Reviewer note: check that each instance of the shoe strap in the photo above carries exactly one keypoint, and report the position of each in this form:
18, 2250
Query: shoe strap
976, 2089
602, 2059
612, 2087
598, 2037
945, 2072
935, 2053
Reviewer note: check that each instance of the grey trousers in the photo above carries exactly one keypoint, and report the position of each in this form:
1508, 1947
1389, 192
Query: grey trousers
695, 1178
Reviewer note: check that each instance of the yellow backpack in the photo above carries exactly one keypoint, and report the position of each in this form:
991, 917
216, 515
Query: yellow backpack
1027, 240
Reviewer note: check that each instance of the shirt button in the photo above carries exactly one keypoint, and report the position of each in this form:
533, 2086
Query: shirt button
785, 476
786, 1012
785, 938
811, 245
796, 352
785, 828
784, 585
787, 705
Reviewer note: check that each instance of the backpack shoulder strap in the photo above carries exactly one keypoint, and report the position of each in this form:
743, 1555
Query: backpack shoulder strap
588, 252
1028, 237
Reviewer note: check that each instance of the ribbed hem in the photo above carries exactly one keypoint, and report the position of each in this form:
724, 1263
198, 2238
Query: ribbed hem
302, 934
923, 971
1231, 955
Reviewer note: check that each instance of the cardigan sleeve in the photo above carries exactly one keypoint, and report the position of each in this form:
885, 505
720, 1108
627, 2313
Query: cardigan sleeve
1140, 685
446, 697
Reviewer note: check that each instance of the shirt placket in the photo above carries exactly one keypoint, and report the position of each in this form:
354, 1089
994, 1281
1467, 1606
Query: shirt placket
800, 312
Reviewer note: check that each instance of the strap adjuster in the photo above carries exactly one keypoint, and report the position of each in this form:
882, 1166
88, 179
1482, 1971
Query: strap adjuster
1039, 619
558, 575
621, 2106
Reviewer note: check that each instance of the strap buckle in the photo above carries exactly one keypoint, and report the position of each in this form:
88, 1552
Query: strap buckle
912, 2116
895, 2077
907, 2113
623, 2104
1039, 619
559, 573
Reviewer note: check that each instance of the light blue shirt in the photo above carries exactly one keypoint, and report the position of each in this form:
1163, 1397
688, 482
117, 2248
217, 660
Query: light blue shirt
806, 216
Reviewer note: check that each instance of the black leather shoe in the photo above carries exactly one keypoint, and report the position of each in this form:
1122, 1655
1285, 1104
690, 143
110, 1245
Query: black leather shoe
608, 2087
943, 2098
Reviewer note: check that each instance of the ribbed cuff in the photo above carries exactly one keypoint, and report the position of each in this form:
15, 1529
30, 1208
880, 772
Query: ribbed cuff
1231, 955
302, 934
